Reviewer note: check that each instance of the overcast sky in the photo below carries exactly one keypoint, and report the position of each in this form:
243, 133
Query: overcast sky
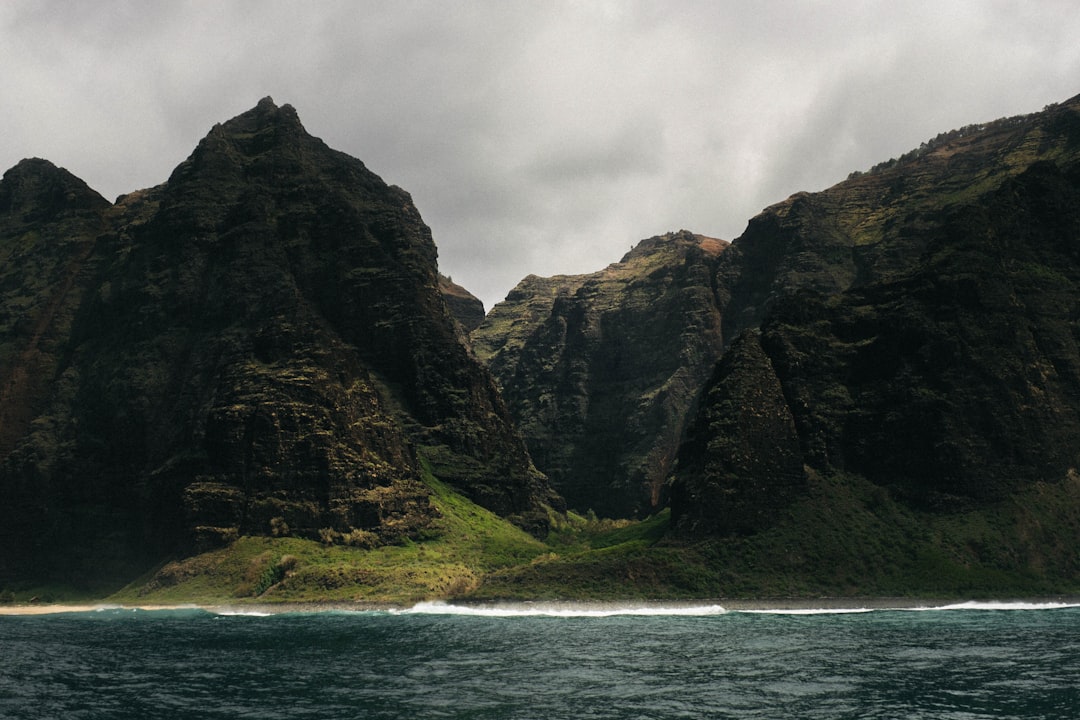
535, 137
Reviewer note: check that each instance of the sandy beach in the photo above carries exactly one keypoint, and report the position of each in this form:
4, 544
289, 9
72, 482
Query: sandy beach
51, 609
705, 606
223, 609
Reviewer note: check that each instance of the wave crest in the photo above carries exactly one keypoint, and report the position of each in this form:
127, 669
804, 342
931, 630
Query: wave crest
562, 609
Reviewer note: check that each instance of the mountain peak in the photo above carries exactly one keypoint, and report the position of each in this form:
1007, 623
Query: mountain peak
36, 188
265, 114
675, 240
261, 127
264, 129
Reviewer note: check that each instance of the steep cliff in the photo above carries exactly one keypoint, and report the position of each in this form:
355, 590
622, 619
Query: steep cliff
920, 320
466, 308
740, 462
258, 346
601, 370
49, 221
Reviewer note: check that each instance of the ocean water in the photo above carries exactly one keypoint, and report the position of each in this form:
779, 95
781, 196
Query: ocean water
964, 662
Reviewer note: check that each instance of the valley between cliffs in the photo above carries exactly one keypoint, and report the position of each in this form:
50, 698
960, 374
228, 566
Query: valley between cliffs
250, 384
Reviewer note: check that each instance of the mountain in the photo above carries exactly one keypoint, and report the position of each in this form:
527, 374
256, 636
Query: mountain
252, 380
916, 326
891, 405
258, 346
601, 370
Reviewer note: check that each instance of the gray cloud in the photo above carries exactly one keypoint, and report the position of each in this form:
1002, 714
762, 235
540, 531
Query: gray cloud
534, 137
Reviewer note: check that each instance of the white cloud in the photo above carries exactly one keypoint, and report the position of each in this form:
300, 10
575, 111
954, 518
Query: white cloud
534, 137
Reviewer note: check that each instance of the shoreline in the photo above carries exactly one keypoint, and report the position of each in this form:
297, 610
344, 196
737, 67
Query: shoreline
830, 605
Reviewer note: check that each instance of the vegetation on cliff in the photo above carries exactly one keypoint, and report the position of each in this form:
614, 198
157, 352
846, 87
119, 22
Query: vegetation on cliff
843, 537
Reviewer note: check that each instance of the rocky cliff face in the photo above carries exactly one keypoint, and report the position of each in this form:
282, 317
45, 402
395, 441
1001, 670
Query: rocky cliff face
601, 370
466, 308
740, 463
49, 221
258, 346
920, 322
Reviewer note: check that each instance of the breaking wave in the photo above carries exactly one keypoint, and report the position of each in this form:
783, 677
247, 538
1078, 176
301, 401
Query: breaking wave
576, 609
1003, 605
563, 610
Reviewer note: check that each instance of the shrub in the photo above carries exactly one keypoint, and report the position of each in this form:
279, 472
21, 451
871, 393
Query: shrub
278, 527
360, 538
273, 573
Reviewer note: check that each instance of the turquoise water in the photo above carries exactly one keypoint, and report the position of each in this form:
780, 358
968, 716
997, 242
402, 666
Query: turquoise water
972, 661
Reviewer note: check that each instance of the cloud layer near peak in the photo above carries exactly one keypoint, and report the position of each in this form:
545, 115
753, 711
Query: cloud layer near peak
534, 137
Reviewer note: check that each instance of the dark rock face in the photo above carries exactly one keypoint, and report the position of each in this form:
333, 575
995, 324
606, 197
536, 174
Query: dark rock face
466, 308
740, 463
258, 346
49, 221
601, 370
920, 322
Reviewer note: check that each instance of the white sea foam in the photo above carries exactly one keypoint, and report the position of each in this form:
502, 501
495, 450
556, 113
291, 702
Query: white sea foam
1002, 605
886, 607
562, 610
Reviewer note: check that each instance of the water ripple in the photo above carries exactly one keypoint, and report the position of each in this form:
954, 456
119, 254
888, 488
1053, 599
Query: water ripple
978, 663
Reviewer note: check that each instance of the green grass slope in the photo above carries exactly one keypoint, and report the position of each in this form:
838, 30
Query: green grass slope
847, 538
463, 544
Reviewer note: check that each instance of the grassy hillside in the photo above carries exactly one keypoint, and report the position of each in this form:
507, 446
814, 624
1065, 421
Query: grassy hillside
462, 545
846, 538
